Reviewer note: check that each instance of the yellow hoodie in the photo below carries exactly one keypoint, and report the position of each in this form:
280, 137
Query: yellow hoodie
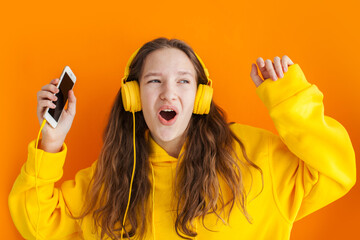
309, 165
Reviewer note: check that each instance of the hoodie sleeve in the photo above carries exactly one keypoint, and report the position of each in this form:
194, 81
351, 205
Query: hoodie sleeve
57, 205
312, 161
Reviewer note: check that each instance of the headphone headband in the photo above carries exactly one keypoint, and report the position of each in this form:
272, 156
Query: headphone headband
127, 68
205, 70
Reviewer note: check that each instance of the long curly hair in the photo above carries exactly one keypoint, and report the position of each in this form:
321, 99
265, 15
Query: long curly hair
209, 156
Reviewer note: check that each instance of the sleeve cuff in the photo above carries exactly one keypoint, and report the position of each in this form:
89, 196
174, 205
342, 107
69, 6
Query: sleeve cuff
274, 92
49, 165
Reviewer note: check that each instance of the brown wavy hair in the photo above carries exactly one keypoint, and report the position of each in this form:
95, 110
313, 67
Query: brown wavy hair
210, 155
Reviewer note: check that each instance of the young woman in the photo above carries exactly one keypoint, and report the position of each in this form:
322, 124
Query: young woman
196, 176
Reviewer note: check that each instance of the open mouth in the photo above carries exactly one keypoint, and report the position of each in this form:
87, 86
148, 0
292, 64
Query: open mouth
167, 114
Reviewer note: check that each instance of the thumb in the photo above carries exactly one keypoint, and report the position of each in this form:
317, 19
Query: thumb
72, 103
255, 76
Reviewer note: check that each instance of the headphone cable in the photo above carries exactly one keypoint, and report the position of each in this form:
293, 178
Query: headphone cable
132, 178
36, 179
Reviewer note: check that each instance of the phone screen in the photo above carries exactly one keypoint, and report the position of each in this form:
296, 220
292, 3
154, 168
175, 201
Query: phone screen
62, 96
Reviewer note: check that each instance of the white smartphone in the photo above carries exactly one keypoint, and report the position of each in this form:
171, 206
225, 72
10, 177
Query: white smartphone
66, 83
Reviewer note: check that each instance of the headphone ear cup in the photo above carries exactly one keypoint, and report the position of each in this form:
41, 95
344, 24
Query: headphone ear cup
130, 94
207, 98
203, 99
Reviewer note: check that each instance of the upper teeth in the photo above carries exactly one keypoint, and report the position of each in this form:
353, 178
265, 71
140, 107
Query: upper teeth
168, 110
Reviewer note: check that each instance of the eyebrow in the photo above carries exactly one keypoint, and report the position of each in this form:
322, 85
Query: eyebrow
159, 74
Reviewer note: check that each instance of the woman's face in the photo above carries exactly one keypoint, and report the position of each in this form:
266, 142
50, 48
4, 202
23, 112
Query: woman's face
167, 89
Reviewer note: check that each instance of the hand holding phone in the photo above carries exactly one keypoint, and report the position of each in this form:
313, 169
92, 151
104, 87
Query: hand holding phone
51, 101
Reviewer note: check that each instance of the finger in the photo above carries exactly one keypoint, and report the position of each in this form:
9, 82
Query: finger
289, 60
46, 95
255, 76
278, 67
46, 103
260, 62
54, 81
42, 107
270, 68
51, 88
72, 103
286, 61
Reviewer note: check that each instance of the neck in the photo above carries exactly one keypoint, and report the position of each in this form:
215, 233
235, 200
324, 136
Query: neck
172, 147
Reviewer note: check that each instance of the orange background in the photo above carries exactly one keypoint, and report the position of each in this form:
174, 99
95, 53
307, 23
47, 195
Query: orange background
39, 38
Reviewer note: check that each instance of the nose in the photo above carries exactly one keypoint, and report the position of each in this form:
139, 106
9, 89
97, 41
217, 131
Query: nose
168, 91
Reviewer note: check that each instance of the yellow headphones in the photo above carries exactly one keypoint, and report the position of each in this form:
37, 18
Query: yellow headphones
130, 91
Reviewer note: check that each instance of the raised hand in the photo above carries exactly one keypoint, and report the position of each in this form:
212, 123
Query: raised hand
53, 138
269, 69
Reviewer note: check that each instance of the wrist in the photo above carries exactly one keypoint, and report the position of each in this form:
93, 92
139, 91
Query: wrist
50, 146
